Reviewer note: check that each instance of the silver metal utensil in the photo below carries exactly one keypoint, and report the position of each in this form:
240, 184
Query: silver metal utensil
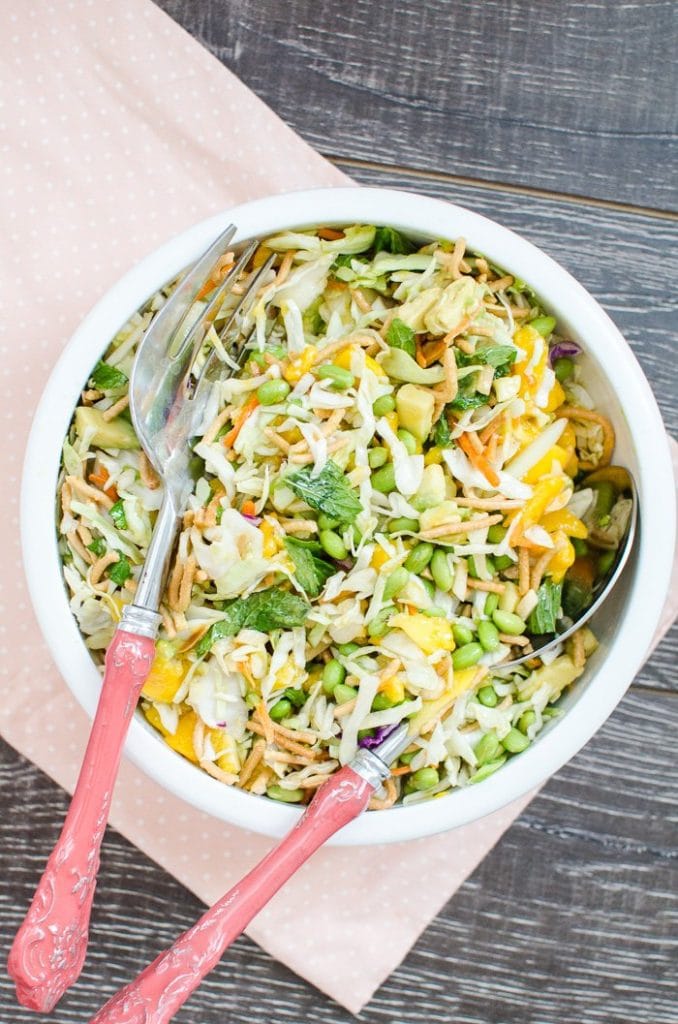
566, 627
168, 392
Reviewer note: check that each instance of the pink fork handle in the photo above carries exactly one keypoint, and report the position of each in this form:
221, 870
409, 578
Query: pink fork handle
159, 991
49, 948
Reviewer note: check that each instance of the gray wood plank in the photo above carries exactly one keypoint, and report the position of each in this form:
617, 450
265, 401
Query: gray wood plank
573, 916
565, 95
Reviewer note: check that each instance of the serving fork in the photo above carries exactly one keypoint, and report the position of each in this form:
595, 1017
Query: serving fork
169, 387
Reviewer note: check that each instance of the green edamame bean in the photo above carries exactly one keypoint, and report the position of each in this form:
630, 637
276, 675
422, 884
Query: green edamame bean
469, 654
545, 325
605, 498
382, 703
343, 693
508, 622
332, 543
325, 523
487, 769
333, 674
273, 391
384, 479
441, 571
286, 796
406, 758
377, 457
419, 557
396, 582
606, 561
491, 603
488, 635
409, 440
580, 546
496, 534
563, 368
403, 523
347, 649
527, 719
428, 585
487, 696
462, 634
383, 405
378, 626
283, 709
515, 741
252, 699
502, 562
340, 378
487, 748
425, 778
471, 565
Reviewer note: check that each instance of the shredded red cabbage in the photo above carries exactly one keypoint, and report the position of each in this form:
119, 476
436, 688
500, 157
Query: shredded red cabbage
380, 734
563, 348
253, 519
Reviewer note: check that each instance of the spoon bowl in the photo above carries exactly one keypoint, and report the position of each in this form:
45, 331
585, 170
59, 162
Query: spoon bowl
601, 589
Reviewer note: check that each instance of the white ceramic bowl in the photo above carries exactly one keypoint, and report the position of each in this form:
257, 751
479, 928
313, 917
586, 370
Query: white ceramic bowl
625, 626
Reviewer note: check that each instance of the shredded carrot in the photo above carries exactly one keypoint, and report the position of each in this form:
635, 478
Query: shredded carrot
99, 478
242, 417
404, 770
478, 460
248, 508
330, 234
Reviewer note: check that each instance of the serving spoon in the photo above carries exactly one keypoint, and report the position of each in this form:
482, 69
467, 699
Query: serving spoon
165, 985
168, 393
566, 627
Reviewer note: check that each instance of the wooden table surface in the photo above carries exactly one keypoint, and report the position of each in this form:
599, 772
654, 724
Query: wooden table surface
557, 118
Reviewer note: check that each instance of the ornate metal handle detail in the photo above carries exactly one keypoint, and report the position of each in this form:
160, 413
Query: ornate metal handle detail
159, 991
49, 949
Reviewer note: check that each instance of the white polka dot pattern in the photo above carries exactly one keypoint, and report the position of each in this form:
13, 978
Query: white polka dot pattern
119, 131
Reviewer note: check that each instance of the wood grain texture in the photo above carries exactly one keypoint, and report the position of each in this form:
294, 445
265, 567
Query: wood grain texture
573, 916
571, 96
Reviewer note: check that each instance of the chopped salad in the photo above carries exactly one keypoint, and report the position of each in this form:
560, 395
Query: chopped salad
403, 488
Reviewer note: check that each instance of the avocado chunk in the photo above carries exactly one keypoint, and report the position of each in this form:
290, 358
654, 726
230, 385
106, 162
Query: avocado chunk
117, 433
415, 410
431, 491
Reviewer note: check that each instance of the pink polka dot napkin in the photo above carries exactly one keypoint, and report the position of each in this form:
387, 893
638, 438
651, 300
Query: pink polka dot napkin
120, 131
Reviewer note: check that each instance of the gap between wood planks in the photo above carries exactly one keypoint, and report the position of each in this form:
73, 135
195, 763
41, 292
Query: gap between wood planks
496, 186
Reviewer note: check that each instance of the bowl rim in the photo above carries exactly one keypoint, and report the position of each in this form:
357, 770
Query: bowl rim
417, 214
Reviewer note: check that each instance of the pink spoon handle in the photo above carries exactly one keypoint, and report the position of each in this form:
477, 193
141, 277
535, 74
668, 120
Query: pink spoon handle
49, 948
159, 991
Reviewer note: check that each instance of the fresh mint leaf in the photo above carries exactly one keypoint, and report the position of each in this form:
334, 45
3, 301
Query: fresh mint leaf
399, 335
120, 570
98, 546
441, 433
390, 240
117, 514
466, 400
264, 611
545, 614
328, 492
108, 378
310, 568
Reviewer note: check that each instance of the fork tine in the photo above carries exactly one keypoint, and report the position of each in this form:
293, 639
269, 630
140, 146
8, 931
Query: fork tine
175, 309
241, 340
199, 328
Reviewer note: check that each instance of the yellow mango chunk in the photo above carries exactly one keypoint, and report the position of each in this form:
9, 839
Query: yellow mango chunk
428, 632
562, 559
463, 681
300, 364
567, 522
394, 689
166, 675
182, 739
379, 557
226, 747
555, 399
544, 467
